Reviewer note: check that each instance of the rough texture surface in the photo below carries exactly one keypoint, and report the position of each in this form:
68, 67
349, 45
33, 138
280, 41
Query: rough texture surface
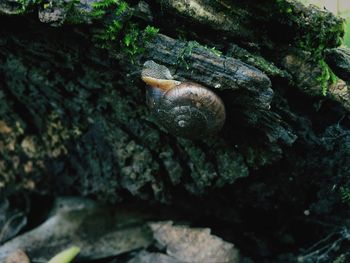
193, 245
73, 117
339, 60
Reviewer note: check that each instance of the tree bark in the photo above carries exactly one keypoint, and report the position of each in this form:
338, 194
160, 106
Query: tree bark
73, 117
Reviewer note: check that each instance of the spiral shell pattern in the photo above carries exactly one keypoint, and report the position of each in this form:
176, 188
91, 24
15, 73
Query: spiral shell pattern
191, 110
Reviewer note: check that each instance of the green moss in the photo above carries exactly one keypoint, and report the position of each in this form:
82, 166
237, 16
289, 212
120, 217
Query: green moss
289, 10
316, 29
216, 52
345, 194
327, 77
324, 77
134, 39
187, 52
112, 27
74, 15
116, 32
104, 4
257, 61
150, 32
25, 4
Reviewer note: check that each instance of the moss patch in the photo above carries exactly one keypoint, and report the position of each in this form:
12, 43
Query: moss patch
316, 29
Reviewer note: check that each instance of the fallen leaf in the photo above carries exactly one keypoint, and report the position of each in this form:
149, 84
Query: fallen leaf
100, 231
193, 245
11, 221
18, 256
4, 129
149, 257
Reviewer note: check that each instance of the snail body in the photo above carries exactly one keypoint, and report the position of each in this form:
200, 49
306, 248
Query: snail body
185, 109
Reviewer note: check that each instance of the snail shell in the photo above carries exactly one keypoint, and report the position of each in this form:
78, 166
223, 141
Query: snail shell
185, 109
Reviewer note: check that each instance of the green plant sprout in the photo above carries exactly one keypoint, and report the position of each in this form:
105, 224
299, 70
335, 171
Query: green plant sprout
66, 256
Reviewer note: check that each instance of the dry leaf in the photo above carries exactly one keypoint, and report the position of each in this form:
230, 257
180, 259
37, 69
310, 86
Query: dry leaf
4, 128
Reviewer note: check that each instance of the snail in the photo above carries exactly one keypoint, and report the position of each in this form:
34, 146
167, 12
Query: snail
185, 109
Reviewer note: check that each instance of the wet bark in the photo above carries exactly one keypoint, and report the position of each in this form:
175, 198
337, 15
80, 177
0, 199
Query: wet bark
73, 117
